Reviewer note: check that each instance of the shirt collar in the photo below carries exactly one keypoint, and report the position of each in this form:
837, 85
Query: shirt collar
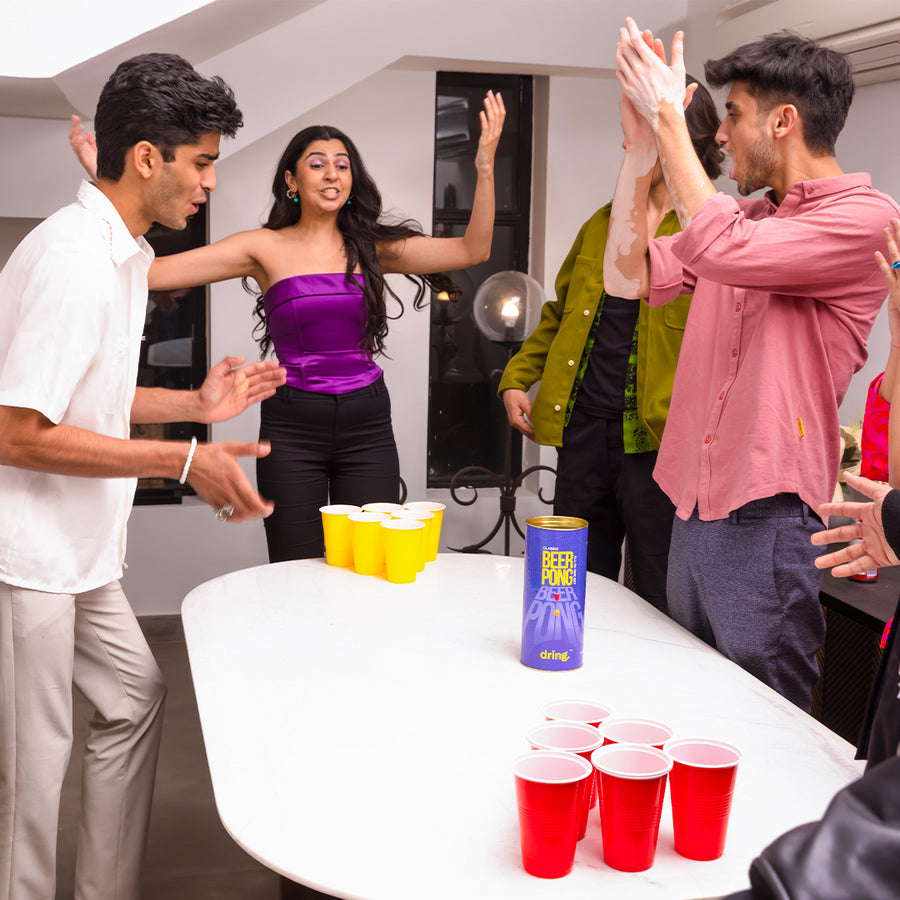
816, 188
122, 246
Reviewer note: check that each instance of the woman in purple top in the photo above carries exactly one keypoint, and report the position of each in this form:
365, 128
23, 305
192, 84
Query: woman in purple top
319, 262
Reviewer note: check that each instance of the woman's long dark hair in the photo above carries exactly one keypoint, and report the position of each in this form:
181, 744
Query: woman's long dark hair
362, 229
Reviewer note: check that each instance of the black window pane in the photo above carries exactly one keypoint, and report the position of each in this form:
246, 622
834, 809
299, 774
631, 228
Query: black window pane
466, 420
457, 130
173, 352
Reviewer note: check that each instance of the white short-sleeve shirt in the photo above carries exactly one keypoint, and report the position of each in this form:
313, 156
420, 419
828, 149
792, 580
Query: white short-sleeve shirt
72, 302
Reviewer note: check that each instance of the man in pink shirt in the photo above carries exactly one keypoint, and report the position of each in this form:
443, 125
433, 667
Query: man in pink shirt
786, 289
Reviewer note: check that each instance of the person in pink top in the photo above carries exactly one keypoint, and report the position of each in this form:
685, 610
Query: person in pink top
884, 387
786, 289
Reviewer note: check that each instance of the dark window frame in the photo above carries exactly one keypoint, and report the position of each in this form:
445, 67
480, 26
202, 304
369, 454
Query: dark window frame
447, 425
192, 315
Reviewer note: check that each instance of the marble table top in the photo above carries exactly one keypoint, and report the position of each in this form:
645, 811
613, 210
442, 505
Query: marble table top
360, 734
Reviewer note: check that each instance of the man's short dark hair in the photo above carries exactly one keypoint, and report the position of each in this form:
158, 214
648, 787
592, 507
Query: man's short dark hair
788, 68
160, 98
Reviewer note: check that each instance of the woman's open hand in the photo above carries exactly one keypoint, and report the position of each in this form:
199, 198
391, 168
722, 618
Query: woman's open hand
84, 146
492, 118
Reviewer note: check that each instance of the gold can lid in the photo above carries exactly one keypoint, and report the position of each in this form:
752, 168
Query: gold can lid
557, 523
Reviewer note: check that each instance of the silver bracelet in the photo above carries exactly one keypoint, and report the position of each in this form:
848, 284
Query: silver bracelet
187, 464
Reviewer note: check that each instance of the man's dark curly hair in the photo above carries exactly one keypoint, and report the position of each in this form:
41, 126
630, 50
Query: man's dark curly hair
788, 68
160, 98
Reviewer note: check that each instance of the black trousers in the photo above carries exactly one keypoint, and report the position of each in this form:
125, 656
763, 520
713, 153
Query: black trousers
326, 448
615, 492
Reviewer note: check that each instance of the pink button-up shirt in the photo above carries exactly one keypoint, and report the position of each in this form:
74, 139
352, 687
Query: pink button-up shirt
784, 300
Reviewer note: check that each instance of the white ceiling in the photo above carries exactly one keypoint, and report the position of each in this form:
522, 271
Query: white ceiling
54, 54
284, 56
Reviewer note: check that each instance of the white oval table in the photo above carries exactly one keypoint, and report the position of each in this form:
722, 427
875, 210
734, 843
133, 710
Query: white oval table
360, 733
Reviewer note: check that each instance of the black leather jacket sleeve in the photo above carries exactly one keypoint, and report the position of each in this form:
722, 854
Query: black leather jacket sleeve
852, 853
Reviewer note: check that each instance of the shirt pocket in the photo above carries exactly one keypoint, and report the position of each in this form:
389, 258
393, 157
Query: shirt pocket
586, 282
675, 314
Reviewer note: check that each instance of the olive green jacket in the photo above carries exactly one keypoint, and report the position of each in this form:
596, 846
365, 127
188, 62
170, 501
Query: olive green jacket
552, 353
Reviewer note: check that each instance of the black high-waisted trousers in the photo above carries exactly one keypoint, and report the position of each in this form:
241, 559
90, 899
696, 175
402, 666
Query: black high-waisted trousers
326, 448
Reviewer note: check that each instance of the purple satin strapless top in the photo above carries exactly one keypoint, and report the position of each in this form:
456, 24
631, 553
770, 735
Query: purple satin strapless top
317, 323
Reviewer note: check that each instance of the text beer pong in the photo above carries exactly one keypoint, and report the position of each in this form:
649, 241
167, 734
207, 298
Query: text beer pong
553, 598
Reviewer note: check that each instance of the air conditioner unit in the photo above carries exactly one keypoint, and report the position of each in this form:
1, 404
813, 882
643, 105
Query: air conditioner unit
874, 51
866, 30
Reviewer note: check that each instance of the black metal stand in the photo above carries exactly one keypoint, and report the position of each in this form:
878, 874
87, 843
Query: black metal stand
508, 487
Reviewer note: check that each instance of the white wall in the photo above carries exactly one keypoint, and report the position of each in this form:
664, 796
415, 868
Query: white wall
869, 143
390, 117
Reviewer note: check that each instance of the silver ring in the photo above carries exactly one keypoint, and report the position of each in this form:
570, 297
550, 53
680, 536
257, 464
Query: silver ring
224, 513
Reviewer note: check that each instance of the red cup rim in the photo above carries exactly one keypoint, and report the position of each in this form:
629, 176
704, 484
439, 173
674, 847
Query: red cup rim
597, 707
590, 732
600, 761
583, 766
611, 722
671, 747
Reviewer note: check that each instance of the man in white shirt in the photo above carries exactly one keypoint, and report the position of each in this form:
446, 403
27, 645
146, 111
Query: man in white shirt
72, 303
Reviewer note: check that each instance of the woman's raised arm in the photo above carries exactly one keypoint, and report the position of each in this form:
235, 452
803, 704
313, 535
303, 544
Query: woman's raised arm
423, 255
84, 146
890, 382
235, 256
232, 257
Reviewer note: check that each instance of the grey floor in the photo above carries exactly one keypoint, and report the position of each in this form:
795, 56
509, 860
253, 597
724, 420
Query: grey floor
190, 856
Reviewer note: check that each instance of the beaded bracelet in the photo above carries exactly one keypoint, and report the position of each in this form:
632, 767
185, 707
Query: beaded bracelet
187, 465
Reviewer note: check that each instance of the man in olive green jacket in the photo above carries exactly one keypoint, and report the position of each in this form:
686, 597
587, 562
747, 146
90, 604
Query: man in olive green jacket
605, 367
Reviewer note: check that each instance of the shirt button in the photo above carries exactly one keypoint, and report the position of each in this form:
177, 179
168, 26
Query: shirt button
734, 352
737, 307
587, 312
557, 407
571, 362
707, 439
722, 395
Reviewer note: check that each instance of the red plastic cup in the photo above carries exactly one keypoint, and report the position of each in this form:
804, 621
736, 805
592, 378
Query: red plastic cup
703, 777
620, 730
550, 788
587, 711
632, 787
573, 737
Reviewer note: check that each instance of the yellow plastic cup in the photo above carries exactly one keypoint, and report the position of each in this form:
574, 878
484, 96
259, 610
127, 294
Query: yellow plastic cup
381, 506
418, 515
402, 543
336, 525
367, 540
434, 535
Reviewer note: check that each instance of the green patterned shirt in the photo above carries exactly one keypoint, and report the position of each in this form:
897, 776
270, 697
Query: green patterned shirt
636, 437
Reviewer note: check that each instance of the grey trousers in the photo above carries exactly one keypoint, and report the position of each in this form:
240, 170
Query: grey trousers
748, 586
48, 642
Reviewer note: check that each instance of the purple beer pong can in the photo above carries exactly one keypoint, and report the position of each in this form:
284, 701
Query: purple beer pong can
553, 608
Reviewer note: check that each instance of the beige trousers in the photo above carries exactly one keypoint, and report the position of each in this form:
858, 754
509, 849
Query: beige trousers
48, 642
